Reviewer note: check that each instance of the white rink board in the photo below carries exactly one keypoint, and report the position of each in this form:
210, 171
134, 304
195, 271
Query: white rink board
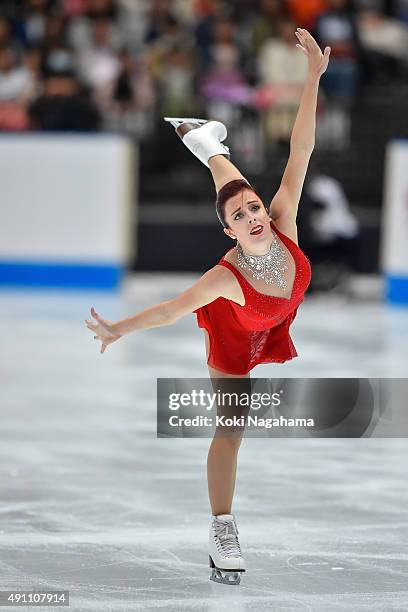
395, 210
66, 198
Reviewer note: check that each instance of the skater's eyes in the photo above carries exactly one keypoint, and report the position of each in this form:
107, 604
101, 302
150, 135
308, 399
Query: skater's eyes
253, 207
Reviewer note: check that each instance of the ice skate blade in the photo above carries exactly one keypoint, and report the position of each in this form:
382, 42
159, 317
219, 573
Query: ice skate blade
177, 121
222, 576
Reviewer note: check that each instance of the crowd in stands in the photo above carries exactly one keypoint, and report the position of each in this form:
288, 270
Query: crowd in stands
121, 65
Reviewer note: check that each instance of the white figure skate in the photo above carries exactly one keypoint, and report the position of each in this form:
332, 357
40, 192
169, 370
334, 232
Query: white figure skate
203, 138
226, 559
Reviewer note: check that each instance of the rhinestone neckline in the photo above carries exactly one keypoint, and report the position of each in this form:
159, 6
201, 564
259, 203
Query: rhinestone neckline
269, 267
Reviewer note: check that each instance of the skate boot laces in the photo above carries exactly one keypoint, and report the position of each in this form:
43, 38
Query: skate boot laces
226, 536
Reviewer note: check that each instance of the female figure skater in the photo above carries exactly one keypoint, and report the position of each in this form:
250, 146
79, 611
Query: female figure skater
246, 302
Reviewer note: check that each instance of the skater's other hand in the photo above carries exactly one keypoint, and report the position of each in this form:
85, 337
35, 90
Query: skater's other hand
105, 330
318, 61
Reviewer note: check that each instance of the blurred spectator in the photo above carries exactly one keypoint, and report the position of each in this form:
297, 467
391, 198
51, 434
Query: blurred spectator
174, 35
140, 59
172, 59
6, 39
63, 106
55, 30
333, 233
333, 218
132, 20
101, 8
265, 25
32, 27
400, 10
224, 79
57, 56
177, 95
57, 59
385, 42
81, 27
159, 21
336, 28
185, 12
282, 71
16, 82
225, 83
224, 30
205, 8
16, 88
74, 7
134, 83
32, 61
305, 13
99, 65
216, 29
133, 96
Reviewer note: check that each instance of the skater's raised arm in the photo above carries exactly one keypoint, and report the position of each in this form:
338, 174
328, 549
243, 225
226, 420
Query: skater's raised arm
285, 203
217, 282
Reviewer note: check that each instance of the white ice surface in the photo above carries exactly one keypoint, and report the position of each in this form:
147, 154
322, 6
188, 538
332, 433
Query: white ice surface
93, 502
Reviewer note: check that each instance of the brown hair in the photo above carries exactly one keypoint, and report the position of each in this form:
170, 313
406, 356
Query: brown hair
229, 190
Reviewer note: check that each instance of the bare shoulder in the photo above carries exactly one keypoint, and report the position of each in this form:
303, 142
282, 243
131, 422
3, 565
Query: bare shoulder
219, 281
229, 285
214, 281
222, 278
286, 224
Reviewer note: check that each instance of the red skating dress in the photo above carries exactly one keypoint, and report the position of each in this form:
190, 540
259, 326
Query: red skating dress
241, 337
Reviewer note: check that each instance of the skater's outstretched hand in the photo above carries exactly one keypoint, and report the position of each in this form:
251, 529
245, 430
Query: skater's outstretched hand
105, 330
318, 61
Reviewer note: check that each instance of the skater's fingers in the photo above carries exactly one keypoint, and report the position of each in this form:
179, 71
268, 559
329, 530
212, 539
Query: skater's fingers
300, 37
310, 44
95, 314
100, 319
103, 347
307, 35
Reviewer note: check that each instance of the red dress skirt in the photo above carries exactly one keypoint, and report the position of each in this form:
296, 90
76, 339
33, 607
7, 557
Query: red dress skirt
241, 337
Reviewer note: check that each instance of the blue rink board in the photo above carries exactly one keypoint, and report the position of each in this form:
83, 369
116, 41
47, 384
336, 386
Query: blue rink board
60, 275
396, 289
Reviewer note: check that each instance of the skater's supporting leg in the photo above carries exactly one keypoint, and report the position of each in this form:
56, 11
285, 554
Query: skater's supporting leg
222, 457
223, 171
221, 473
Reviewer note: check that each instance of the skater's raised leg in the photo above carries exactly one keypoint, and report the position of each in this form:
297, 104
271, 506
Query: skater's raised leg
223, 171
204, 140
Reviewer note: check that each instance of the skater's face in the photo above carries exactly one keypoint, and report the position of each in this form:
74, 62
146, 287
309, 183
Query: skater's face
248, 221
